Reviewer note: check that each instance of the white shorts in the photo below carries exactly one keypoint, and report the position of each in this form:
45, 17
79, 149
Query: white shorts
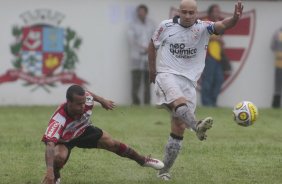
169, 87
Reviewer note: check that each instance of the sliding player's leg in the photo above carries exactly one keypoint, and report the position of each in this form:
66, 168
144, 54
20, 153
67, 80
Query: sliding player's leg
108, 143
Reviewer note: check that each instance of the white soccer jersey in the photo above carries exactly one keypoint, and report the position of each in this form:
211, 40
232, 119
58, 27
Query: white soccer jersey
182, 50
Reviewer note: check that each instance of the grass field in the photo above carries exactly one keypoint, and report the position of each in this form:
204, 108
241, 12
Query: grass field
231, 155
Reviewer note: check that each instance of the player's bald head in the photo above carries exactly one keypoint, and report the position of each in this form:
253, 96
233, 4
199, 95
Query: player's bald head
187, 12
188, 4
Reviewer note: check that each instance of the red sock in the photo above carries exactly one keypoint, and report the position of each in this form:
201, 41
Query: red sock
125, 151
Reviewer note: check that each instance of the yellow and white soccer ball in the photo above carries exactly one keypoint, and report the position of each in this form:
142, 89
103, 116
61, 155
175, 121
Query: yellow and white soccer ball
245, 113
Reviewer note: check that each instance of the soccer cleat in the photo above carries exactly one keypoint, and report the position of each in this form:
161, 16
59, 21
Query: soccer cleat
164, 176
202, 126
58, 181
154, 163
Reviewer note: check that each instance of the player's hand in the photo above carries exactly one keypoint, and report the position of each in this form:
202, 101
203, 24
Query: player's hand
108, 104
49, 177
238, 10
152, 76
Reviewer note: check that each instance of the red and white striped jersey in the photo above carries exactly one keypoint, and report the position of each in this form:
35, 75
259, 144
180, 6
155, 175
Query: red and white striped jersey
62, 128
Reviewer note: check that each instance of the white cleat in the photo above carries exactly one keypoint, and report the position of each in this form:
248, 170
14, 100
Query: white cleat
58, 181
164, 176
202, 126
154, 163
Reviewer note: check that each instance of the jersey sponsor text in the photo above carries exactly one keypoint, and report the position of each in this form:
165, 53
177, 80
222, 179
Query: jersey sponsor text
179, 51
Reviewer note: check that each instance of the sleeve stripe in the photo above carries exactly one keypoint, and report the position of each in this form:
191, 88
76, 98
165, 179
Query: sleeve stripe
53, 130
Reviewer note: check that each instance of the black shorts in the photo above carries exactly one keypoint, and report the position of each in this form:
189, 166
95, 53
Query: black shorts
88, 139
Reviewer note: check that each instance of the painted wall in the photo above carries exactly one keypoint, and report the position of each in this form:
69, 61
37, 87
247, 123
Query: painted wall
103, 54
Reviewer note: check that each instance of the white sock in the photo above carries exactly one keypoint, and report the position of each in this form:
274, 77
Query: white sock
172, 149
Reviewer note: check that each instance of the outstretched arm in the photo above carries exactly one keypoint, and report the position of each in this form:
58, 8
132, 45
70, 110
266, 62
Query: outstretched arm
229, 22
49, 158
152, 55
106, 104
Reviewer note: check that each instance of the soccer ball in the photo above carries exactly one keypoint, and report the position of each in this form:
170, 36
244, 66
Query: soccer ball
245, 113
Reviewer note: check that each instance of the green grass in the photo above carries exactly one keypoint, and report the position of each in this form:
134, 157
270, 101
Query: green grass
231, 155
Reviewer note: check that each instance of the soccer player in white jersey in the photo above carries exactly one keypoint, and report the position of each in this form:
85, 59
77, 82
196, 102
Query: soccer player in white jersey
70, 126
182, 44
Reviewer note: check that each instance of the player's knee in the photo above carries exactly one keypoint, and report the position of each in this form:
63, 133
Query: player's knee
186, 114
180, 111
113, 145
59, 160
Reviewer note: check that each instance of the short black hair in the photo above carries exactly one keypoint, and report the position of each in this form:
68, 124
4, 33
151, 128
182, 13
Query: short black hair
142, 6
211, 7
74, 90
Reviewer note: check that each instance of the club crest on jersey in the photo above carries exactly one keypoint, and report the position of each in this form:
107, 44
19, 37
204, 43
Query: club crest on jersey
238, 41
43, 53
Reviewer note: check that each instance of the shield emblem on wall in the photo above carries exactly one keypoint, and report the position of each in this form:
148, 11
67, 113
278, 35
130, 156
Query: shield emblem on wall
42, 50
44, 53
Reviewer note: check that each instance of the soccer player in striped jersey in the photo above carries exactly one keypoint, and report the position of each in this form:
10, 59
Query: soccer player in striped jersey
182, 43
70, 126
